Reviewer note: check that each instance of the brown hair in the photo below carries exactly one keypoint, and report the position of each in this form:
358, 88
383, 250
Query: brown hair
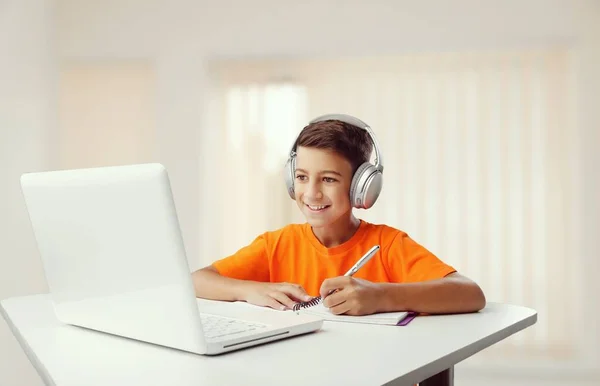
349, 141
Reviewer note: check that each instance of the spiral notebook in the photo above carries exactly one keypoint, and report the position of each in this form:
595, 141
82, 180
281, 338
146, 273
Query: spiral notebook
400, 318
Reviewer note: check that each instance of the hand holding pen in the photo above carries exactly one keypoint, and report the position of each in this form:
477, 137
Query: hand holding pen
331, 288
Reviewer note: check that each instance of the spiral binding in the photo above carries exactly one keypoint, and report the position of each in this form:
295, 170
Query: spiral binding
310, 303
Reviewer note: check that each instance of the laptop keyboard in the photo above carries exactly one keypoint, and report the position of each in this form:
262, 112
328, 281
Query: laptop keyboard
216, 327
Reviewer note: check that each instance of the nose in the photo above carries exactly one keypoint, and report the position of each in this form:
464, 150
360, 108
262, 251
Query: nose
313, 191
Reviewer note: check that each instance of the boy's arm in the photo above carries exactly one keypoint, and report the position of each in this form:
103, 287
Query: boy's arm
210, 284
452, 294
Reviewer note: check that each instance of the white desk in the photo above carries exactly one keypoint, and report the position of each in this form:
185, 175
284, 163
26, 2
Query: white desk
348, 354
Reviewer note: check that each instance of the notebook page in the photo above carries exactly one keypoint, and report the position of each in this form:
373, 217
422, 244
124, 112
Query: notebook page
385, 318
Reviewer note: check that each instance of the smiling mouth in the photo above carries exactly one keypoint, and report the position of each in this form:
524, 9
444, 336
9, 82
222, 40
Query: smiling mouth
317, 208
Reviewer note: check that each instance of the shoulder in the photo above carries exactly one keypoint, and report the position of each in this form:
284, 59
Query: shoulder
386, 234
382, 230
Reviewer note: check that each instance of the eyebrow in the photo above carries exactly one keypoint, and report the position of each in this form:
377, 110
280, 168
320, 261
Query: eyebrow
322, 172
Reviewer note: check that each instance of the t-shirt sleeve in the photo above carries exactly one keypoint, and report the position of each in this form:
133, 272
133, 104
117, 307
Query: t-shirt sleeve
408, 261
249, 263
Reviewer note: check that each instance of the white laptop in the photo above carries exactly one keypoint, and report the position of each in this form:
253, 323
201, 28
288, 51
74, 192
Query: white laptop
114, 259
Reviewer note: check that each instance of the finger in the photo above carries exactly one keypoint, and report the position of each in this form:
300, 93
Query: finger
283, 299
341, 308
334, 299
274, 304
332, 284
296, 292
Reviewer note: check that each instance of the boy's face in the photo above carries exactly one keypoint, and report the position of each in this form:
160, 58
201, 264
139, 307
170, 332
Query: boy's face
322, 185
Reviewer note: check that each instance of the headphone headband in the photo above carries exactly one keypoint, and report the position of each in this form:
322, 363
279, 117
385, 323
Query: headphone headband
358, 123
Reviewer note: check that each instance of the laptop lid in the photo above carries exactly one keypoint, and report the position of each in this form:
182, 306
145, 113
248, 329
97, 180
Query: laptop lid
112, 250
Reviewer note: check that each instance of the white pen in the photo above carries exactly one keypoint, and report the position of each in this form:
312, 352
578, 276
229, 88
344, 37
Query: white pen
363, 260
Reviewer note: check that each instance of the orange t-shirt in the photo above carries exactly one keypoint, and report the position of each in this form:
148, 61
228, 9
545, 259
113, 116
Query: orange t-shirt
293, 254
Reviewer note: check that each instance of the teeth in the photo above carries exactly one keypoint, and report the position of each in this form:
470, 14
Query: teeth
317, 207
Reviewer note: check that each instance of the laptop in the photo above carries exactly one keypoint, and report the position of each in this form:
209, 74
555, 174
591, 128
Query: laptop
115, 262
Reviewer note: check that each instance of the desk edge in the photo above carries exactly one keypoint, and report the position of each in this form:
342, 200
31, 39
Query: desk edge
434, 367
33, 358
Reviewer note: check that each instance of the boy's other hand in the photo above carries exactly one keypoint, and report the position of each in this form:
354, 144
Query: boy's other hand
279, 296
352, 296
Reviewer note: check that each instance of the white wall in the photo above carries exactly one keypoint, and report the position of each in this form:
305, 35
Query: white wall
27, 84
181, 35
589, 123
270, 27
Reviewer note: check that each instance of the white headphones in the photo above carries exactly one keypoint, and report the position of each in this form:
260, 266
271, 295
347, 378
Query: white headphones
367, 180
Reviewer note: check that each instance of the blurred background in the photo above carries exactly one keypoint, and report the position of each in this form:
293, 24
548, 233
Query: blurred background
486, 112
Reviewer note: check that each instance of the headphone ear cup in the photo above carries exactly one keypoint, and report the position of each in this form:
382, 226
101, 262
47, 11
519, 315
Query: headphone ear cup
355, 187
366, 186
373, 185
288, 175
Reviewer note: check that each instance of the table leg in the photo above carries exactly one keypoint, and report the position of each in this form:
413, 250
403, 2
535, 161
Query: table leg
444, 378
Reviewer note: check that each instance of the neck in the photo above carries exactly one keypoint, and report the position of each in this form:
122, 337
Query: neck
339, 232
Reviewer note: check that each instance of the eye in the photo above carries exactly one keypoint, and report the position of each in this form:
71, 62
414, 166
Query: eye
300, 177
329, 179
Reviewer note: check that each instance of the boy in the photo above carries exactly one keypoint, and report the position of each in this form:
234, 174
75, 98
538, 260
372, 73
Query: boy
299, 261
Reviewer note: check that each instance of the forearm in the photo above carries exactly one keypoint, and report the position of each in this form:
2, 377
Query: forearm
209, 284
453, 294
